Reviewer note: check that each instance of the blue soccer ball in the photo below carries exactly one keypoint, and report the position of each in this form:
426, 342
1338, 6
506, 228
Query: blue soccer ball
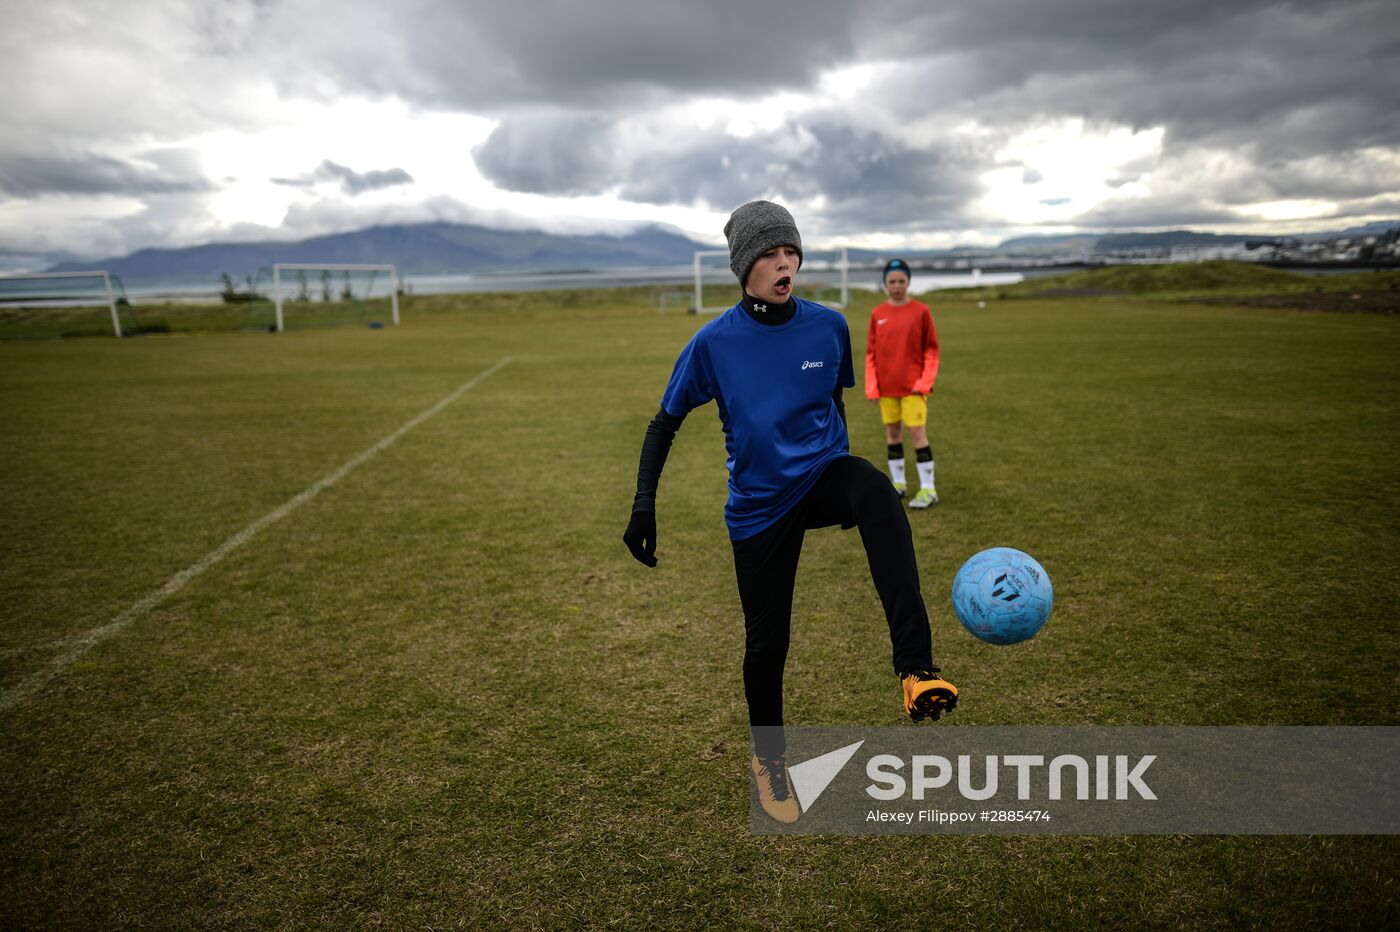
1002, 596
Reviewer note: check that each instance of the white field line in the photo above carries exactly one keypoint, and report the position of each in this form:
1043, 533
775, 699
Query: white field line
82, 643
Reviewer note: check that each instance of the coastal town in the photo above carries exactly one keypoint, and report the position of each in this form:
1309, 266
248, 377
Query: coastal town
1376, 246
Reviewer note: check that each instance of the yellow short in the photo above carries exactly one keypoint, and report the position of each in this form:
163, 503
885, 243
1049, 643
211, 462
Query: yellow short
911, 409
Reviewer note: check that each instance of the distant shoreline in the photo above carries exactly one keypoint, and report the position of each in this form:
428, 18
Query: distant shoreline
948, 273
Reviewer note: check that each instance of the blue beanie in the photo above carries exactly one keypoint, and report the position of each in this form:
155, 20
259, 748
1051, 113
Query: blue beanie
896, 265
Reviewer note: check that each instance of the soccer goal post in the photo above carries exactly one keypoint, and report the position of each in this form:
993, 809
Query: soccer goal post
62, 299
824, 278
331, 289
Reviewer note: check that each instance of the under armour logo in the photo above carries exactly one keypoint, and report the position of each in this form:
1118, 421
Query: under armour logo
761, 308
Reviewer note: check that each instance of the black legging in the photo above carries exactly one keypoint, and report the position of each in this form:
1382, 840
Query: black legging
851, 493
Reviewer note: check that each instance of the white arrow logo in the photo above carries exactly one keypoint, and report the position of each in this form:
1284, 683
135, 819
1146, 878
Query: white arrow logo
811, 777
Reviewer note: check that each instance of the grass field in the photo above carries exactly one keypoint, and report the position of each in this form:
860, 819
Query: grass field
439, 692
29, 323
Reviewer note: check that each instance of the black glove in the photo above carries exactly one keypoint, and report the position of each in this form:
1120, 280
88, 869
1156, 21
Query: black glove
640, 536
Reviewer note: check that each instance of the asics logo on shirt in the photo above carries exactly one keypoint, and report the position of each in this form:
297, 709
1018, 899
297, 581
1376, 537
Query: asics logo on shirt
808, 364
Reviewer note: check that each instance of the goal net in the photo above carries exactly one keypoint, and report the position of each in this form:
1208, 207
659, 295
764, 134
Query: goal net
297, 295
823, 278
64, 304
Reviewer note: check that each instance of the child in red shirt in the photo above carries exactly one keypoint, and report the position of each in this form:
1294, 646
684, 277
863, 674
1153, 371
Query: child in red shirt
901, 363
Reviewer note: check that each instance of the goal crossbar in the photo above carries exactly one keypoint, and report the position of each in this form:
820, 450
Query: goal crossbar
279, 267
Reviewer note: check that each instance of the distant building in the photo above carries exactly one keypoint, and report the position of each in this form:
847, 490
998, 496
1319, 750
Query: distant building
1234, 252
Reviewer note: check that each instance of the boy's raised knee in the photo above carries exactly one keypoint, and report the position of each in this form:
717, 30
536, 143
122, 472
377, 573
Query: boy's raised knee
874, 497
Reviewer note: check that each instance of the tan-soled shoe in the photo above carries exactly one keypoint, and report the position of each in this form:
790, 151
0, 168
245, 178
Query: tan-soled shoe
774, 789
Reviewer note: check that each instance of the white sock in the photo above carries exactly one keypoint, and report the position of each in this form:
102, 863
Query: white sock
897, 471
926, 475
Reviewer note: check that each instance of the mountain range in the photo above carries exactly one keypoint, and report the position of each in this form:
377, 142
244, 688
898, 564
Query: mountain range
416, 249
444, 248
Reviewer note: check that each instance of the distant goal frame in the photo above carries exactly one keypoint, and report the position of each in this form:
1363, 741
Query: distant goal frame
95, 273
842, 262
279, 267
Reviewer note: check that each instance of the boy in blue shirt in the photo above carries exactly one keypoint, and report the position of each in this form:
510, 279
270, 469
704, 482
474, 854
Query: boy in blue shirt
776, 365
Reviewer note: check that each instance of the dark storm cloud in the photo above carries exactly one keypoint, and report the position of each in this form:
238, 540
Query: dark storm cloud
859, 177
1388, 206
27, 175
1339, 177
852, 173
1301, 91
552, 153
1255, 100
1295, 78
1299, 77
491, 55
351, 182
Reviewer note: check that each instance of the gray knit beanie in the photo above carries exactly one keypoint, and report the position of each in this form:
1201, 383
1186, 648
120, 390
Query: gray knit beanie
754, 229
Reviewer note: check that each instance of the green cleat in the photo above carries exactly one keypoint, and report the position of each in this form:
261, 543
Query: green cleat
926, 498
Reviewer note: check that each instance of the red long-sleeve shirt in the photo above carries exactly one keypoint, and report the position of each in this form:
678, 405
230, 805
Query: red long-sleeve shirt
901, 351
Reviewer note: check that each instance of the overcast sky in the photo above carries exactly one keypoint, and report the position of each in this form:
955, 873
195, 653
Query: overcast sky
136, 123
